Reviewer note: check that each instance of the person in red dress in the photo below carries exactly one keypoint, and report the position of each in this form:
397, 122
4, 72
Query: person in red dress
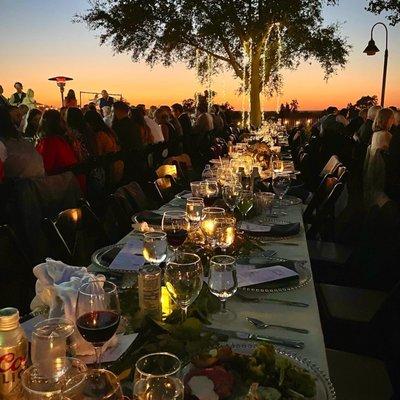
70, 99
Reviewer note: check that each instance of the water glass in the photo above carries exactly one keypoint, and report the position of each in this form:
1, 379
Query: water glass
207, 224
194, 207
195, 188
157, 364
209, 191
155, 247
183, 279
246, 202
281, 184
231, 195
222, 282
225, 232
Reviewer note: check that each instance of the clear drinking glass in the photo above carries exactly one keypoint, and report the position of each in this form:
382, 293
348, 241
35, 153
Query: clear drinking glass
97, 313
207, 223
222, 282
96, 384
194, 207
209, 191
281, 184
35, 386
155, 247
161, 364
176, 225
231, 195
225, 232
183, 279
52, 339
195, 188
246, 202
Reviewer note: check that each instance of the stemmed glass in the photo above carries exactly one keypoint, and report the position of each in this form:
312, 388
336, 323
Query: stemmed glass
97, 313
222, 281
281, 184
183, 279
176, 225
231, 195
207, 223
246, 202
194, 207
209, 191
157, 377
155, 247
96, 384
225, 232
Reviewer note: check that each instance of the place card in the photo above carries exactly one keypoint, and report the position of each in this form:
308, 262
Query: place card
248, 277
252, 227
130, 257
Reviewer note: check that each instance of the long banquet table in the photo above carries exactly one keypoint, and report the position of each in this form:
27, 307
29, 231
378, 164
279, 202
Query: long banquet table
294, 248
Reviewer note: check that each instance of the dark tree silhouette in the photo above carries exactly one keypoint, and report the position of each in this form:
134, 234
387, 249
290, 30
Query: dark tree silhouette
390, 6
366, 101
192, 31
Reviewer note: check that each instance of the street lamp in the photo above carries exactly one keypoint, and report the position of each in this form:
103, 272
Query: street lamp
372, 49
61, 80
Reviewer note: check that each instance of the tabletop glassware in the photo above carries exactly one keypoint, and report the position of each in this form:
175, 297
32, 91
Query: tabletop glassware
157, 376
231, 195
207, 224
209, 190
95, 384
155, 247
176, 225
36, 386
246, 202
52, 338
195, 188
97, 313
225, 232
183, 277
280, 184
194, 207
222, 282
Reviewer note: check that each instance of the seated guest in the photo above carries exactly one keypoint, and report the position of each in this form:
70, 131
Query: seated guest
70, 99
204, 121
80, 134
329, 118
32, 124
141, 126
218, 123
152, 111
29, 99
106, 141
364, 134
3, 99
107, 116
174, 121
169, 132
186, 125
18, 96
355, 120
374, 165
154, 127
16, 116
22, 161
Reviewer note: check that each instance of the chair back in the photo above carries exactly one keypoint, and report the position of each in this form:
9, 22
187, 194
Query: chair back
17, 283
165, 188
167, 170
331, 166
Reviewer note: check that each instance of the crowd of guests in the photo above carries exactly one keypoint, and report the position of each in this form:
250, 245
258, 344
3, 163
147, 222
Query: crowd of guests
35, 142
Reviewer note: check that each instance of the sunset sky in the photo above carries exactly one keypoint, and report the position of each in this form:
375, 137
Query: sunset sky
39, 41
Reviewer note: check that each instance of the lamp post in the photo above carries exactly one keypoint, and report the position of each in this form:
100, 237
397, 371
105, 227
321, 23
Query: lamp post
372, 49
61, 80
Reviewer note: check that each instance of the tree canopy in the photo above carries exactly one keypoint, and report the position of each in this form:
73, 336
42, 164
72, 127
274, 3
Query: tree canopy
269, 34
390, 6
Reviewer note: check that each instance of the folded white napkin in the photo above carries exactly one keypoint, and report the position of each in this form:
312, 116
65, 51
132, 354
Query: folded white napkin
57, 288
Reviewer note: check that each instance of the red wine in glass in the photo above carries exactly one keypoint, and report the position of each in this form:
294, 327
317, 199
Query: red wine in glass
98, 326
176, 238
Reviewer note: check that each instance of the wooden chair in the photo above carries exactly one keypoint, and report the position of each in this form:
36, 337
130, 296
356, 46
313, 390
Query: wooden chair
167, 170
165, 189
17, 284
75, 234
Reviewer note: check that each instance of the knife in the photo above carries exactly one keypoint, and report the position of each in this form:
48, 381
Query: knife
294, 344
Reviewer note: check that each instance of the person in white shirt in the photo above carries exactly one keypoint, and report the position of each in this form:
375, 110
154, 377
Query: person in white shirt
155, 129
107, 115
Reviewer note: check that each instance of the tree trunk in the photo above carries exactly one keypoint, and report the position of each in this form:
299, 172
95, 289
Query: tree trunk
255, 89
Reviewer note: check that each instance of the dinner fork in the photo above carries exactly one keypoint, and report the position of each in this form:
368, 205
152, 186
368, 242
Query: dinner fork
262, 325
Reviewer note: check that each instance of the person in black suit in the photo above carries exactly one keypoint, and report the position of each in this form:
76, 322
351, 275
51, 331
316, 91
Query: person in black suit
186, 125
18, 96
3, 100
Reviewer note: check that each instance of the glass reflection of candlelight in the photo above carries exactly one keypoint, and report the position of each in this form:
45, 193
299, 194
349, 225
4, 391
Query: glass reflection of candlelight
166, 304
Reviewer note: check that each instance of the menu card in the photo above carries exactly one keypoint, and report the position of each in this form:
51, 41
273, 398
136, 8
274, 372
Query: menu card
130, 257
248, 277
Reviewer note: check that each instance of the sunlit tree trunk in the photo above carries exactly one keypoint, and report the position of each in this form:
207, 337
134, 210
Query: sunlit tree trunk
255, 87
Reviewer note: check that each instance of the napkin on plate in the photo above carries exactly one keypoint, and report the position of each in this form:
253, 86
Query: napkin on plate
57, 288
270, 230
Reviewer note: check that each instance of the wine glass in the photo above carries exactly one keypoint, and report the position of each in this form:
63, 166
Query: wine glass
155, 247
194, 207
176, 225
207, 224
280, 184
96, 384
157, 374
246, 202
183, 279
231, 195
97, 313
209, 190
225, 231
52, 339
222, 281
